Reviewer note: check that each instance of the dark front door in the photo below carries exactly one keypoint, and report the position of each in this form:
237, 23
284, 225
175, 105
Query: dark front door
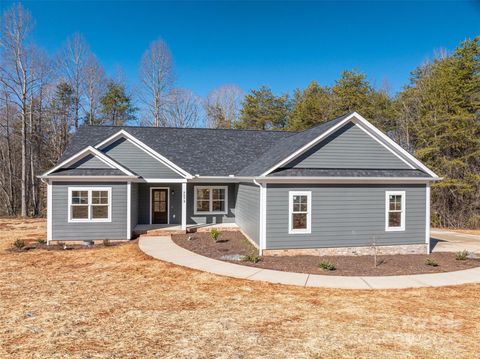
159, 206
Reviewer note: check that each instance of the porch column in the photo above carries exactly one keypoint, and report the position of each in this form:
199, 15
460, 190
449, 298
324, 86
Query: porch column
184, 206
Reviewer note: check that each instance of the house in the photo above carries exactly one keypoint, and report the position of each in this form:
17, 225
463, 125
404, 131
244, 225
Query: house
338, 187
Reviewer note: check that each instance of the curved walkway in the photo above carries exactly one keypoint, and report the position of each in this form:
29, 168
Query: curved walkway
165, 249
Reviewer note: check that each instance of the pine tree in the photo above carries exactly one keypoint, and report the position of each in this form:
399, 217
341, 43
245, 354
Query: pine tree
261, 109
116, 105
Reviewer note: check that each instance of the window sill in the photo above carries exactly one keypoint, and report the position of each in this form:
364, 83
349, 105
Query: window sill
300, 231
89, 221
394, 229
209, 213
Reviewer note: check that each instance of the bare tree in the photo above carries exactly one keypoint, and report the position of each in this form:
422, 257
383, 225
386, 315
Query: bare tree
72, 61
16, 75
222, 106
182, 109
95, 87
156, 74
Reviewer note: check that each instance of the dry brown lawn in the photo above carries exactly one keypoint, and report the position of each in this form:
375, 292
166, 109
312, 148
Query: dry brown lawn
117, 302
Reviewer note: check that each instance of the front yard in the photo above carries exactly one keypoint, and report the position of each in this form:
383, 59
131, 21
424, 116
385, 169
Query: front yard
117, 302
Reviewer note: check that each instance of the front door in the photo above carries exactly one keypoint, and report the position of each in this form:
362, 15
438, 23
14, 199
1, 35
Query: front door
159, 206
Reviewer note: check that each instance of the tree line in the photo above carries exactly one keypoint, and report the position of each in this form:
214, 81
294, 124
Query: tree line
45, 98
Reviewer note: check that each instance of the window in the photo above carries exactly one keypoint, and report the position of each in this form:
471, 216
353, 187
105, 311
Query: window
211, 199
88, 204
300, 212
395, 211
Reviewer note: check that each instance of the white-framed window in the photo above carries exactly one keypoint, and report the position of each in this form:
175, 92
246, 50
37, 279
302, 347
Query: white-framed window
211, 199
89, 204
299, 212
395, 210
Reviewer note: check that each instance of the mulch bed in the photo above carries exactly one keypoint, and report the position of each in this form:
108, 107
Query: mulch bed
234, 243
61, 246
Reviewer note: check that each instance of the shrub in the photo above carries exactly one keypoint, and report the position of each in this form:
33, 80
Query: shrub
461, 256
431, 262
41, 241
327, 266
252, 257
214, 233
19, 243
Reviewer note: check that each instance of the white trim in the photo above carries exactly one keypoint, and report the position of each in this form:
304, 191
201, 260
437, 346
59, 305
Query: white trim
200, 213
427, 216
307, 230
132, 139
49, 211
385, 146
184, 206
90, 150
301, 179
363, 121
89, 205
387, 211
163, 180
263, 217
89, 178
168, 203
395, 145
129, 210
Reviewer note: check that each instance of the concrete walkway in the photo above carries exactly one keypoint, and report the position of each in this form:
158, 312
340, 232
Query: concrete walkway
165, 249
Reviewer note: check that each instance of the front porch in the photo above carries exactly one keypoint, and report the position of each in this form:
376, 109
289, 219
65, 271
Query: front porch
167, 207
168, 229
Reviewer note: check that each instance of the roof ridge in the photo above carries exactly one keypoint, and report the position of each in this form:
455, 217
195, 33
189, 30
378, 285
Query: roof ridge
193, 128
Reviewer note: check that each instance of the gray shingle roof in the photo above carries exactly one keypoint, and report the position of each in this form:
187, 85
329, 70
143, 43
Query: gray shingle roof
223, 152
88, 172
350, 172
207, 152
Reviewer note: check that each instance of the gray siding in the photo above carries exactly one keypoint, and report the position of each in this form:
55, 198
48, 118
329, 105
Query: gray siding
62, 230
345, 215
134, 202
350, 147
247, 210
90, 161
175, 202
135, 159
203, 219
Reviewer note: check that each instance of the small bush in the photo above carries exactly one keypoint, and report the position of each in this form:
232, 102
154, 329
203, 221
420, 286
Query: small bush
107, 243
327, 266
214, 233
41, 241
19, 243
252, 257
431, 262
461, 256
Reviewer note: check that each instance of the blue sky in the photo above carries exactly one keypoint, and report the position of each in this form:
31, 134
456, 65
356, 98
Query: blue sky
281, 44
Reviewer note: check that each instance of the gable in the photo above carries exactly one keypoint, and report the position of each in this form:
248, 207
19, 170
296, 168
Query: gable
89, 161
138, 161
349, 147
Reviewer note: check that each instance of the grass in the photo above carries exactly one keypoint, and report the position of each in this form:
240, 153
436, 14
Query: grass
117, 302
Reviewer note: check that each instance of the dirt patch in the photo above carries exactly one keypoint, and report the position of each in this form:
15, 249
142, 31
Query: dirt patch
117, 302
235, 243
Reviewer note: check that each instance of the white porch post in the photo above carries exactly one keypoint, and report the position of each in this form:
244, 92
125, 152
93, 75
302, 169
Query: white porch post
49, 211
129, 210
184, 206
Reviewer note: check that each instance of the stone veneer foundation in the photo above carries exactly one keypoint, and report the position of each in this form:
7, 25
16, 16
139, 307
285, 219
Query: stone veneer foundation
349, 251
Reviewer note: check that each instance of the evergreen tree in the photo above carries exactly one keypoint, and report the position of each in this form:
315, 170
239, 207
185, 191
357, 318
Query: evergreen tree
116, 105
310, 107
445, 105
261, 109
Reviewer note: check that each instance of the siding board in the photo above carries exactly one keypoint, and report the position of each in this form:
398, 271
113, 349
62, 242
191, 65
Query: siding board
247, 210
349, 147
62, 230
135, 159
345, 215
